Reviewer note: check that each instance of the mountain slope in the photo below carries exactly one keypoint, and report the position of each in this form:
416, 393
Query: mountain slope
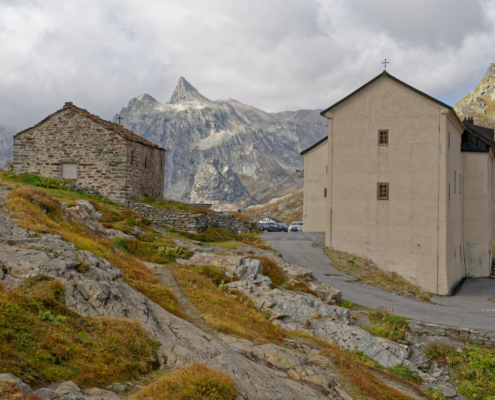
480, 103
6, 149
261, 148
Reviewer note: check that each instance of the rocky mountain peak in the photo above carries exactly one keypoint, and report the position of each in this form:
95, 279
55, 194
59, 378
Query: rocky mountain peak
184, 91
480, 103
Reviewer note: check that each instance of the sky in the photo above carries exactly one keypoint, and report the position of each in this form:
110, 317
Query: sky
276, 55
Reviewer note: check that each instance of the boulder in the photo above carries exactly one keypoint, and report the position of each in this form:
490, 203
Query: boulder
325, 292
47, 394
10, 379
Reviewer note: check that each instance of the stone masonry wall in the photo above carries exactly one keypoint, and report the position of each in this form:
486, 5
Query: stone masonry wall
145, 170
476, 336
194, 223
69, 137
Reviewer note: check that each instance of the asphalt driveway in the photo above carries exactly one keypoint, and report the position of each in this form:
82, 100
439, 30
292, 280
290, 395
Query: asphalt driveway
468, 308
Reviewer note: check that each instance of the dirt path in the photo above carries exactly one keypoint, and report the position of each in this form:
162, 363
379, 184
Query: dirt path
166, 277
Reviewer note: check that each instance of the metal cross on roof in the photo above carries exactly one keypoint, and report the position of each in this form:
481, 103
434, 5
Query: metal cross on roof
385, 64
119, 118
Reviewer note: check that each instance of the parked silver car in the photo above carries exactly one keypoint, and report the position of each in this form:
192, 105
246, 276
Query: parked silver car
296, 226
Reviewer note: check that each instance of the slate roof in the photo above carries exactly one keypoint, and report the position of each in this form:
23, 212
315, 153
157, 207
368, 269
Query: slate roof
315, 145
485, 136
120, 130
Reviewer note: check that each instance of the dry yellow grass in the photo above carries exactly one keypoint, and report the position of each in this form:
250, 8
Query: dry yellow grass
389, 281
234, 314
38, 211
195, 382
10, 391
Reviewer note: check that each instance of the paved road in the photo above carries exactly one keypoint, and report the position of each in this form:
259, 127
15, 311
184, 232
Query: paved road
469, 308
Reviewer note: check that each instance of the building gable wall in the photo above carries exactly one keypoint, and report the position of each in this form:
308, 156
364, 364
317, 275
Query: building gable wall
315, 189
145, 170
69, 137
404, 233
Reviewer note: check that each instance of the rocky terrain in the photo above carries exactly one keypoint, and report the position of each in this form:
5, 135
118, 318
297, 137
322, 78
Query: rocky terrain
320, 349
199, 134
480, 103
288, 208
6, 150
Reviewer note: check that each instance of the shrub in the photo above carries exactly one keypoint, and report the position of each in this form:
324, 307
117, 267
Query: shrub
119, 243
195, 382
272, 270
41, 339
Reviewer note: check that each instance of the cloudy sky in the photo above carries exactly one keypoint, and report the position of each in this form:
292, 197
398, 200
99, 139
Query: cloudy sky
273, 54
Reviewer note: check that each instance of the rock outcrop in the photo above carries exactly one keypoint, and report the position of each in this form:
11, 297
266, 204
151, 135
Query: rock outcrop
215, 183
261, 148
299, 311
101, 292
480, 103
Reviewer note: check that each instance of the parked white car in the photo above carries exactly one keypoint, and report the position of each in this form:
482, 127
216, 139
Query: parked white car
296, 226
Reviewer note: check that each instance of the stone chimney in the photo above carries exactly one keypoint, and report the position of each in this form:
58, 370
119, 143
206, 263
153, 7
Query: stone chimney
68, 104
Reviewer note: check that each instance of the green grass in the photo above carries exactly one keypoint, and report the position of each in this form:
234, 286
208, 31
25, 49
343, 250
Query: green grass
389, 326
346, 303
473, 368
41, 340
214, 274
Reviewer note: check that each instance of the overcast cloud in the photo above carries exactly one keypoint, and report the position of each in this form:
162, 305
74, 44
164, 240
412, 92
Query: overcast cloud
273, 54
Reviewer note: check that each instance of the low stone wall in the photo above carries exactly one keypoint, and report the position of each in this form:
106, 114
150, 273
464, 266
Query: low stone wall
476, 336
194, 223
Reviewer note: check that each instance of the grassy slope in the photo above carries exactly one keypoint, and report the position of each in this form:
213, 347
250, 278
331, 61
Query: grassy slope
39, 210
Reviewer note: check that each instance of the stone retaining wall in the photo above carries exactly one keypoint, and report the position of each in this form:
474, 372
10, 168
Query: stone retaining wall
476, 336
194, 223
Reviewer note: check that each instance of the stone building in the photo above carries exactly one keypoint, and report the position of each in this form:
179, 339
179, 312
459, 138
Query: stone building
401, 180
97, 154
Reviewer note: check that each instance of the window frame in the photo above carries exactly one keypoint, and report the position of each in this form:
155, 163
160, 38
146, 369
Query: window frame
379, 137
378, 191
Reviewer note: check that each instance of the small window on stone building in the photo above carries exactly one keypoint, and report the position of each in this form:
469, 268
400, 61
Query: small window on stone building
132, 156
455, 181
69, 171
325, 192
383, 190
383, 137
145, 162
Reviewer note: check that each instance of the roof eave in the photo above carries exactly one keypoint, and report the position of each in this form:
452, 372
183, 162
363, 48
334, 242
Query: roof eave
385, 73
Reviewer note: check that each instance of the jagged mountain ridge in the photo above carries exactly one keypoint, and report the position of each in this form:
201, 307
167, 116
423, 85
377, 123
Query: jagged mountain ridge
261, 148
480, 103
